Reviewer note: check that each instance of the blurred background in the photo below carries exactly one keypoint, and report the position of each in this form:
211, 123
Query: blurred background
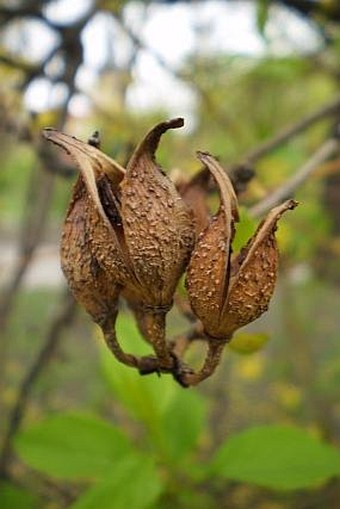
258, 85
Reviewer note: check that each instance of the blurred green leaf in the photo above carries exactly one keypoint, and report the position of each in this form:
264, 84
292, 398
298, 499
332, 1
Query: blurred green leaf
277, 457
157, 402
300, 237
244, 230
12, 497
135, 484
183, 423
248, 342
72, 446
145, 397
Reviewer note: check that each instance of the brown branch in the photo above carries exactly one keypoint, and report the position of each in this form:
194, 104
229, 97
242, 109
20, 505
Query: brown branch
38, 202
204, 95
140, 44
242, 173
330, 109
61, 321
288, 188
163, 362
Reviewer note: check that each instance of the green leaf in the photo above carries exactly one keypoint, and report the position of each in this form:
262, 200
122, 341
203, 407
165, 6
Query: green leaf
183, 423
248, 342
244, 229
277, 457
145, 397
156, 402
12, 497
136, 484
72, 446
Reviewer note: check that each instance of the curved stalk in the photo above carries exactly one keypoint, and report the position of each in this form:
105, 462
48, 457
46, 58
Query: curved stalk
154, 328
212, 360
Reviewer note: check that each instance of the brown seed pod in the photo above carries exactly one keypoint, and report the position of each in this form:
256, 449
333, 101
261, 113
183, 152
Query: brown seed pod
194, 192
158, 226
208, 271
87, 281
224, 295
101, 176
159, 237
139, 228
254, 274
135, 226
129, 232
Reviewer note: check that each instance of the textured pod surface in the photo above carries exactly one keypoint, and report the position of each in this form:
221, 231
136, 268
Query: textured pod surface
130, 233
101, 176
254, 274
195, 193
88, 283
208, 271
106, 236
89, 159
157, 224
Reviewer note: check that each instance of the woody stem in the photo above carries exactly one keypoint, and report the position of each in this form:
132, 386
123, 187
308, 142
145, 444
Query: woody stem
109, 332
212, 360
146, 364
153, 324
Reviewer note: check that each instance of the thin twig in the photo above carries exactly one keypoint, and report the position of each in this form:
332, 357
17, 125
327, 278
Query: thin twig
288, 188
36, 214
330, 109
62, 320
38, 203
179, 75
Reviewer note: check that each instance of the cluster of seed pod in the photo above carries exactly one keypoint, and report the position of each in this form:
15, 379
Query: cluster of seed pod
131, 233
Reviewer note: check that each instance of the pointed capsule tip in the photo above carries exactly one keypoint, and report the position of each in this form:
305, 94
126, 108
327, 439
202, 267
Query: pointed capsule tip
176, 122
224, 183
201, 154
283, 207
291, 204
47, 131
148, 146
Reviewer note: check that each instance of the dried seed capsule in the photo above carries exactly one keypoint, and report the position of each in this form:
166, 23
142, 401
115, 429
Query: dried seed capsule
195, 192
101, 175
139, 228
235, 293
254, 274
87, 281
208, 272
135, 226
158, 226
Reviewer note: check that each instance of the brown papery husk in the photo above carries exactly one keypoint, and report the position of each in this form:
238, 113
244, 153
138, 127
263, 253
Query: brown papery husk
157, 224
195, 193
87, 281
102, 234
208, 272
254, 274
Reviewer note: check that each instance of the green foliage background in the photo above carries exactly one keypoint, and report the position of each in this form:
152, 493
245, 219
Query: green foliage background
263, 432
